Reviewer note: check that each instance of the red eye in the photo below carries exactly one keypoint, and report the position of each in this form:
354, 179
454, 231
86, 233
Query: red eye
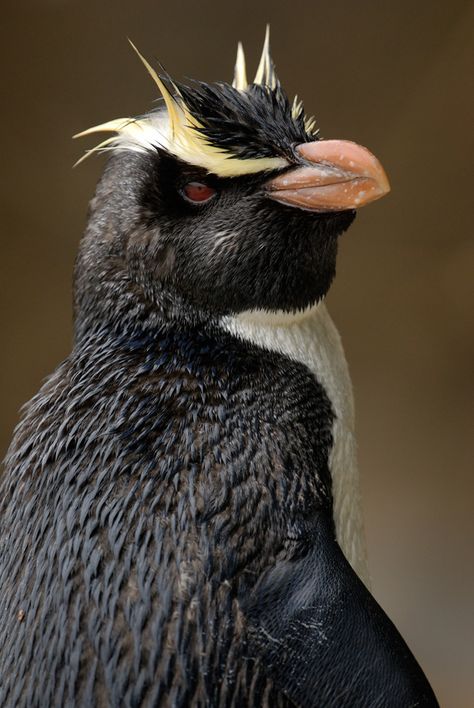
197, 192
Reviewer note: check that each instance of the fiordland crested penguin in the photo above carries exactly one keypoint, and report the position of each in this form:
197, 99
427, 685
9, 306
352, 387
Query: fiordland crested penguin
179, 514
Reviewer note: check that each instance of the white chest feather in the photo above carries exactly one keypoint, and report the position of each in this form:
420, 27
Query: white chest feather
312, 339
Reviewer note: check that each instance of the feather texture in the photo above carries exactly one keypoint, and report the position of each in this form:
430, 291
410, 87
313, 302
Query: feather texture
229, 130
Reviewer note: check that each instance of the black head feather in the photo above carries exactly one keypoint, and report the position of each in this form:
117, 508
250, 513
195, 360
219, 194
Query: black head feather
257, 122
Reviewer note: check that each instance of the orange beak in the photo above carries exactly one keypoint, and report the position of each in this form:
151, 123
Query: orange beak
335, 175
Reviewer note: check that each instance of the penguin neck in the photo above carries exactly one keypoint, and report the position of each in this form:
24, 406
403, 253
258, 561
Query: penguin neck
310, 337
307, 336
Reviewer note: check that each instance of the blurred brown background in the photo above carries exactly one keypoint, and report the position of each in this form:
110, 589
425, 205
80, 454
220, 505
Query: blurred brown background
391, 75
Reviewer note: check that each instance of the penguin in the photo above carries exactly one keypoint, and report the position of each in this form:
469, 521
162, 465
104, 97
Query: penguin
180, 517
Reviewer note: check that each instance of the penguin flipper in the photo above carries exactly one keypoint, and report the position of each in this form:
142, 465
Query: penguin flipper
323, 638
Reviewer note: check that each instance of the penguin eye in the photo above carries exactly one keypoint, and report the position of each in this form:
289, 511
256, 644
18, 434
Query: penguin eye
198, 192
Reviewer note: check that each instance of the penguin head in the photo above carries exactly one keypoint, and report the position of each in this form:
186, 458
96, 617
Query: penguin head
226, 198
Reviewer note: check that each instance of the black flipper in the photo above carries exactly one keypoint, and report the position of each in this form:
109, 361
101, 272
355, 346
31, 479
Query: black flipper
324, 639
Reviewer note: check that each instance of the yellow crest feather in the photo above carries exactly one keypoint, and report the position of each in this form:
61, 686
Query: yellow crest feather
240, 74
265, 75
178, 131
168, 98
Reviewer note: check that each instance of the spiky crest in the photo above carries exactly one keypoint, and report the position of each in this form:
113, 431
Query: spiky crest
209, 126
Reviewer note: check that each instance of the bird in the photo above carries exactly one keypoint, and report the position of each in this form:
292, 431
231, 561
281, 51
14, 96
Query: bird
180, 516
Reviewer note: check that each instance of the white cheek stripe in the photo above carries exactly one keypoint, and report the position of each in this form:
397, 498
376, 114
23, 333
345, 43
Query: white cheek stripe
311, 338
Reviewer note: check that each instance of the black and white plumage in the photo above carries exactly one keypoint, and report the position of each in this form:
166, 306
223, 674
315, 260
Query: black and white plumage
177, 495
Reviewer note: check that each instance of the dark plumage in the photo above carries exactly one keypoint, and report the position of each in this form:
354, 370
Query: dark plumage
257, 123
166, 513
136, 503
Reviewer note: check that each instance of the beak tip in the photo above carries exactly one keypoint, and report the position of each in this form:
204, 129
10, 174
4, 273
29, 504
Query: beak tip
383, 185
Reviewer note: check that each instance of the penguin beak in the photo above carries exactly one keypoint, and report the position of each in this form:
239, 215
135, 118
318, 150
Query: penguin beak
335, 175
